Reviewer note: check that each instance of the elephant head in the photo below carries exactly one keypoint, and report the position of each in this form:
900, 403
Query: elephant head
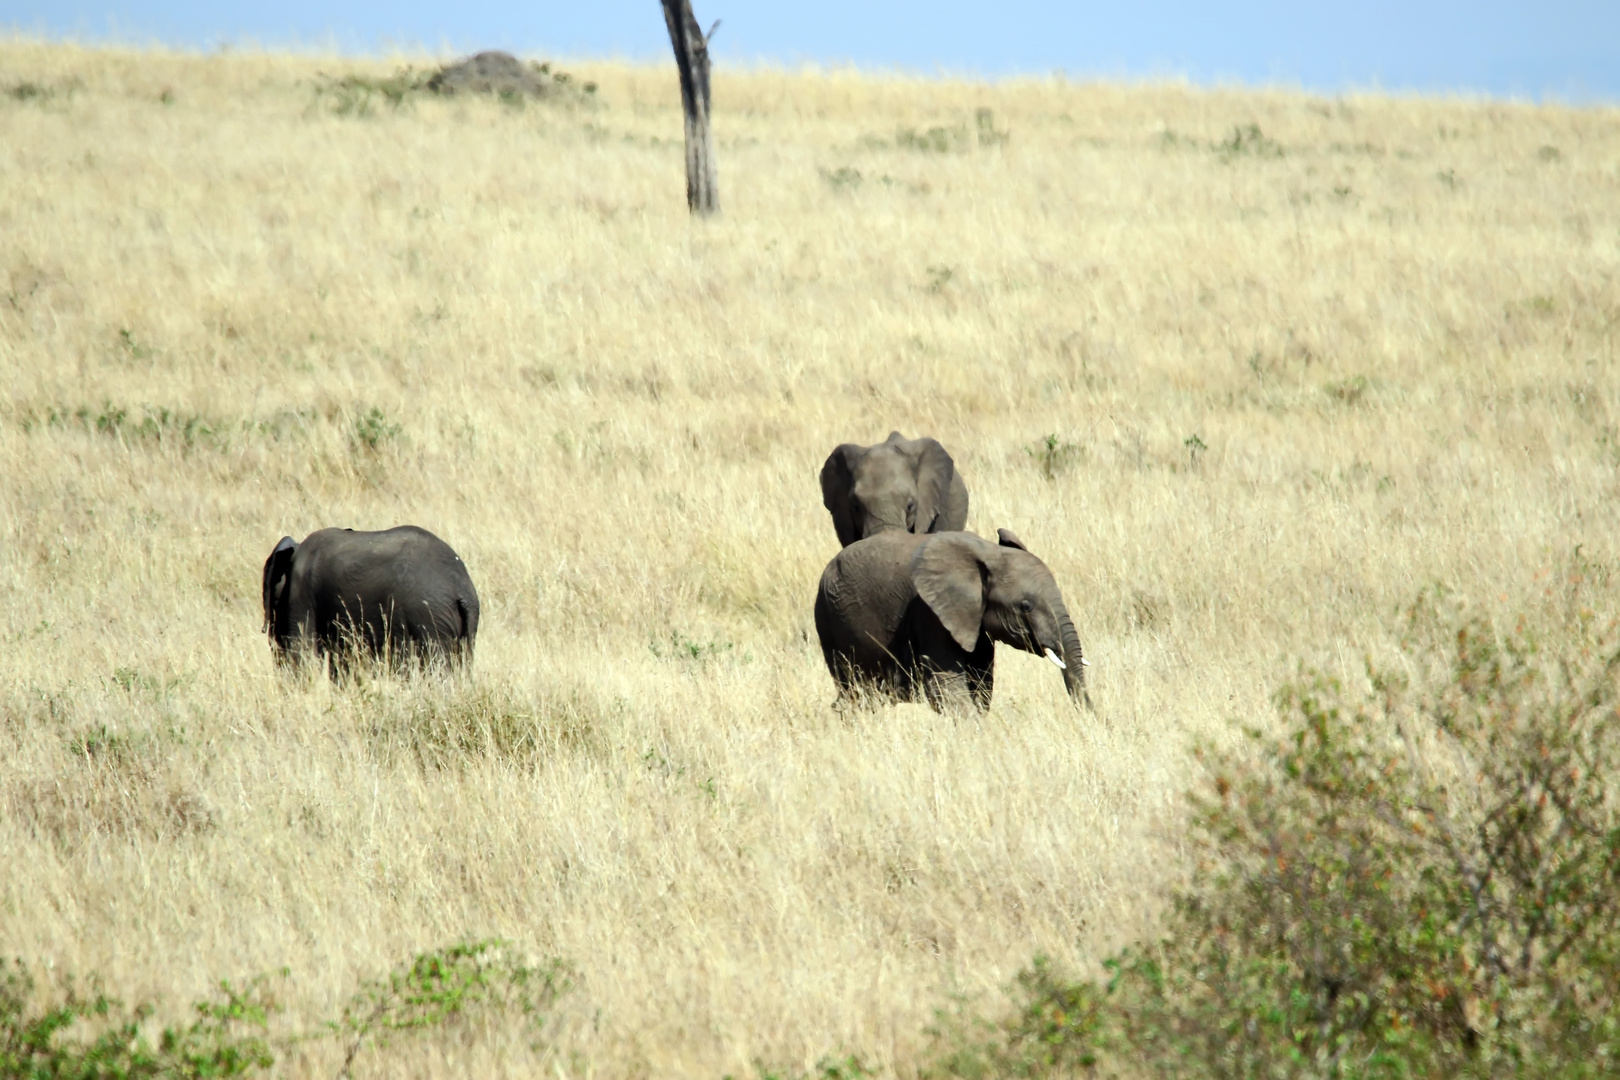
906, 484
277, 569
1002, 590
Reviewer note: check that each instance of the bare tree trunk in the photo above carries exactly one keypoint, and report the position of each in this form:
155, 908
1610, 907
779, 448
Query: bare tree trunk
692, 58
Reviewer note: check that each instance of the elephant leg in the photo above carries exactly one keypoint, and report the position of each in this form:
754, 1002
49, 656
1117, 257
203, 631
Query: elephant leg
852, 684
949, 691
952, 677
966, 682
981, 672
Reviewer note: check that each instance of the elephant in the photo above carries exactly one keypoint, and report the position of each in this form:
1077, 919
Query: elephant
399, 594
898, 612
906, 484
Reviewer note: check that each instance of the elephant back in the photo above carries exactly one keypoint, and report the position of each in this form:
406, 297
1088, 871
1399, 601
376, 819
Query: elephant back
865, 592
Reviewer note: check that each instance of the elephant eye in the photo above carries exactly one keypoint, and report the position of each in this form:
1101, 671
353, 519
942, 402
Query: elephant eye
1026, 606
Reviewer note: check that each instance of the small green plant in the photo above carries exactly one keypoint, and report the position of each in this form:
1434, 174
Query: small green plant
657, 762
131, 347
26, 91
845, 1067
154, 423
1196, 448
361, 95
844, 178
282, 425
989, 135
100, 743
1053, 456
373, 429
934, 140
919, 188
1548, 154
948, 139
939, 276
1608, 442
460, 982
94, 1035
1247, 140
1449, 178
681, 647
1348, 391
71, 1035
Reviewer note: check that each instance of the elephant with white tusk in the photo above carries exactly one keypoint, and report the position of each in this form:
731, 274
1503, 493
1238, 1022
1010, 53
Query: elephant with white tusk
398, 594
898, 612
907, 484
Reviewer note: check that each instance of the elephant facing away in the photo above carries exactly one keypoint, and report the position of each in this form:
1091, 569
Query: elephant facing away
907, 484
898, 613
401, 594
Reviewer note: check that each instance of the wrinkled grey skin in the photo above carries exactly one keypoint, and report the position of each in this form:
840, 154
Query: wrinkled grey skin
898, 612
400, 594
905, 484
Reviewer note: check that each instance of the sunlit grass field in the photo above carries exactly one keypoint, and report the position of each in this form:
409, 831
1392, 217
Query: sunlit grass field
1248, 369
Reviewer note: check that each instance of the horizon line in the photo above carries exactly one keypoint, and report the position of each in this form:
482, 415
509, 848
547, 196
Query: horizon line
387, 49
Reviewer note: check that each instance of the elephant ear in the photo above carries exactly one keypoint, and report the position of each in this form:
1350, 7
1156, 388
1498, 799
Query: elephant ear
948, 573
935, 472
276, 570
838, 491
1008, 538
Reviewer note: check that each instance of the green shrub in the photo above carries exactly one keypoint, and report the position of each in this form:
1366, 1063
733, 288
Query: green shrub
1055, 456
844, 178
1348, 391
90, 1037
1418, 880
1247, 140
27, 91
373, 429
847, 1067
359, 95
934, 140
97, 1036
459, 983
681, 647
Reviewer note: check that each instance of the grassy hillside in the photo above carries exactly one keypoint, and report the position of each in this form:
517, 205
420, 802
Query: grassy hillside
1247, 369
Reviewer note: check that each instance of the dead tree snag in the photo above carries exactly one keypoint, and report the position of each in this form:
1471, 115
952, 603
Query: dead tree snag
692, 58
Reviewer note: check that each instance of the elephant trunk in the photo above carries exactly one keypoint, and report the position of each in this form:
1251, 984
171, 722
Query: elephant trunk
1074, 670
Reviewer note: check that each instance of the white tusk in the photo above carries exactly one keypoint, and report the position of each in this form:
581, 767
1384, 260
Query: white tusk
1084, 662
1058, 660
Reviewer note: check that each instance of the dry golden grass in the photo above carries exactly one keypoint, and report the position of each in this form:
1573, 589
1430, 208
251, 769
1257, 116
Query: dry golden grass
1287, 392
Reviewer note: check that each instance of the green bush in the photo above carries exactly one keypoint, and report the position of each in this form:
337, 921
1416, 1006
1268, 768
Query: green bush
458, 983
1248, 141
93, 1036
1417, 880
360, 95
73, 1036
1055, 456
373, 430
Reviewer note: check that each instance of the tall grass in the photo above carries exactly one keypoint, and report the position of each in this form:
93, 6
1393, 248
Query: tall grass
1248, 370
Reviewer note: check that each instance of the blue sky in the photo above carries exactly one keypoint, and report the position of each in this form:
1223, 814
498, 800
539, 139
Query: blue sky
1568, 49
